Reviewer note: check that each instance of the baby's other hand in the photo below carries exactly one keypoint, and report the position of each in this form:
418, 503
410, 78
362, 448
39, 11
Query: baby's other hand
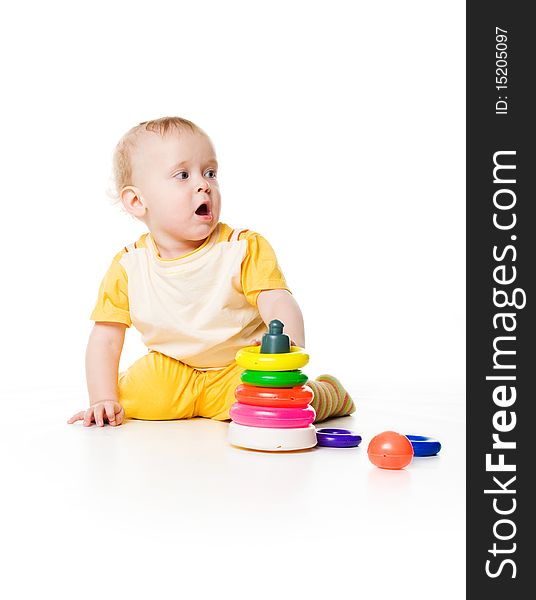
107, 411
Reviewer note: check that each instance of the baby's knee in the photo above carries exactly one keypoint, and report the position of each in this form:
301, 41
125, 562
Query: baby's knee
155, 397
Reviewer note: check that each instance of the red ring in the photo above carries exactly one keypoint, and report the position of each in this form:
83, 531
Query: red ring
295, 397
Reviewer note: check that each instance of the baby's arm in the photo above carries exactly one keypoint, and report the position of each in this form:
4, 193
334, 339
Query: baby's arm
102, 364
280, 304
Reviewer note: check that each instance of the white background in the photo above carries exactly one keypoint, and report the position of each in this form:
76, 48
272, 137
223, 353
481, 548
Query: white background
340, 133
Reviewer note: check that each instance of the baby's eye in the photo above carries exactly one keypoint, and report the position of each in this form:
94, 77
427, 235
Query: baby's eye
179, 175
213, 176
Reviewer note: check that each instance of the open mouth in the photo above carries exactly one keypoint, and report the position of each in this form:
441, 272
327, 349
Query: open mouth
203, 210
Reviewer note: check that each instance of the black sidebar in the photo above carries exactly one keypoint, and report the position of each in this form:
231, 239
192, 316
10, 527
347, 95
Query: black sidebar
501, 332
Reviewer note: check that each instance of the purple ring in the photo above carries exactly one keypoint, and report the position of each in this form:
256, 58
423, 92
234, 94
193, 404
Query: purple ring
337, 438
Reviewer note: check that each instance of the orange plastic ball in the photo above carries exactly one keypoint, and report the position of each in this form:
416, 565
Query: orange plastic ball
390, 450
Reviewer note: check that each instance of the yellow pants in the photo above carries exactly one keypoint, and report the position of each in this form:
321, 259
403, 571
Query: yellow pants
157, 387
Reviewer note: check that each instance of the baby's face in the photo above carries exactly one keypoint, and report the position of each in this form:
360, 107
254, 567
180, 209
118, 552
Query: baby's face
176, 177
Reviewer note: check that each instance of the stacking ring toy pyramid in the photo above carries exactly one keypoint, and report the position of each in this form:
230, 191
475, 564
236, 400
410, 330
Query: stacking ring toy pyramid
272, 409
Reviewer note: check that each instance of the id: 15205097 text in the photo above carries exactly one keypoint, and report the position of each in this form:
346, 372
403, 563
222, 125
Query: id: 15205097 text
501, 70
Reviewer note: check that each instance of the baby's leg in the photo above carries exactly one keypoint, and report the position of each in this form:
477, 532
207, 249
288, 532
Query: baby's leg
330, 399
219, 395
157, 387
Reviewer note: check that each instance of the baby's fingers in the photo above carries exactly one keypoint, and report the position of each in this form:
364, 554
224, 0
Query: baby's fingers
88, 418
98, 411
109, 407
119, 416
78, 417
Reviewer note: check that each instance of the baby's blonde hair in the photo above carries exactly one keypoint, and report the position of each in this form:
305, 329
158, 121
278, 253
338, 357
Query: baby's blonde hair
122, 164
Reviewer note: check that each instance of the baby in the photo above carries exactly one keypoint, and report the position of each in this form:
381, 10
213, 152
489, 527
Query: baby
196, 289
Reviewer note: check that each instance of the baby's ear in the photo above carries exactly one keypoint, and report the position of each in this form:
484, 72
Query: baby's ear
133, 202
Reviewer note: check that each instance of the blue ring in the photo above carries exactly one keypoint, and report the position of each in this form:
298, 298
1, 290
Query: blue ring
337, 438
424, 446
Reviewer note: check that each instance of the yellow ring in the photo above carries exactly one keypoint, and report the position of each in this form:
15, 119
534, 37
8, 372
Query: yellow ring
250, 357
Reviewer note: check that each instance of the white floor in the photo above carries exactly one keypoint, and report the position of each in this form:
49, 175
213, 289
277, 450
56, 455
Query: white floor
161, 509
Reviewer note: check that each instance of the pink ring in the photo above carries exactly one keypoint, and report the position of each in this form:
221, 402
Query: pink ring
277, 418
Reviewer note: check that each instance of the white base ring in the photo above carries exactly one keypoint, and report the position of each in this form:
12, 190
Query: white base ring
271, 439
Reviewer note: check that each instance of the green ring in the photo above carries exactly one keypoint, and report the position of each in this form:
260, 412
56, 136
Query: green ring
283, 379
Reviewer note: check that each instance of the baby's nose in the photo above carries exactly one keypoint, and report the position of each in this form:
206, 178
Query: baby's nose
202, 184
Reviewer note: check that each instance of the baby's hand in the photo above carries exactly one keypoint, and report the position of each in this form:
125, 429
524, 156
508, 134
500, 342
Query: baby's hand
106, 411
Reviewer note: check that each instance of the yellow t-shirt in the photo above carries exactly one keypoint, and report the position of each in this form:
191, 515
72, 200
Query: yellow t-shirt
200, 308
